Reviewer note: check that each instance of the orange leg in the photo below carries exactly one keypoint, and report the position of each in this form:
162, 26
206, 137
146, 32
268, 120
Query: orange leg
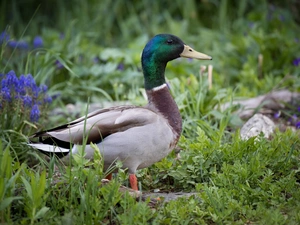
133, 182
109, 176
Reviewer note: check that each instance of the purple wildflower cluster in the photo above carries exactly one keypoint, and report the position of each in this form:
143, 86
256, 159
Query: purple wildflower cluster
22, 93
22, 45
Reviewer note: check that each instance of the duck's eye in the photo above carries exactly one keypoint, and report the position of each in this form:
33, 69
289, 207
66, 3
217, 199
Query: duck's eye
170, 41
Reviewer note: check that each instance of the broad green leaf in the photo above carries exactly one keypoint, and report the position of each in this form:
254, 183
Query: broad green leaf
41, 213
7, 201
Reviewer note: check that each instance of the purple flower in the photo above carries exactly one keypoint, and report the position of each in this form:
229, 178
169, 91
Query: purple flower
38, 42
20, 89
296, 62
96, 59
120, 66
10, 80
277, 115
29, 82
47, 99
59, 65
12, 77
31, 86
5, 92
4, 36
56, 96
297, 125
44, 88
27, 101
13, 44
23, 91
34, 113
18, 44
293, 119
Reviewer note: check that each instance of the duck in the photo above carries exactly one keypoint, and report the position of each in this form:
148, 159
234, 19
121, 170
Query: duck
138, 136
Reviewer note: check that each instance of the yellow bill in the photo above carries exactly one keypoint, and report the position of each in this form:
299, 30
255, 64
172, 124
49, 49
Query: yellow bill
188, 52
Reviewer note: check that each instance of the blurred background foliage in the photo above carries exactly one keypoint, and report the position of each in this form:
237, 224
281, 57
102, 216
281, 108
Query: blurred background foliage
91, 49
113, 23
76, 33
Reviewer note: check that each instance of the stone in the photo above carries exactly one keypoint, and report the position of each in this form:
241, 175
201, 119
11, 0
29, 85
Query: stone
257, 124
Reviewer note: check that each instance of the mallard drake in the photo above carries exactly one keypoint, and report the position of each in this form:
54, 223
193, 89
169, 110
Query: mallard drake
137, 136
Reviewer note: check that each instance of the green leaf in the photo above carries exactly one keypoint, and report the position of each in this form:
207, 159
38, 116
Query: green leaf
41, 185
27, 188
7, 201
41, 212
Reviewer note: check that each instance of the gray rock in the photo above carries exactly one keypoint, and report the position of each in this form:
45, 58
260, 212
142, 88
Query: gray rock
169, 196
257, 124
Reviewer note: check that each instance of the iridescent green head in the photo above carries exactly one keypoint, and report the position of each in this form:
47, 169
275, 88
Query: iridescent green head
158, 52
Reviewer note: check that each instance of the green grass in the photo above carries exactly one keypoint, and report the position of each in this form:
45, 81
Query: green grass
236, 181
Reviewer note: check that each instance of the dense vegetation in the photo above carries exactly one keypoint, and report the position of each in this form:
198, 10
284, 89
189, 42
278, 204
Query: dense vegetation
89, 51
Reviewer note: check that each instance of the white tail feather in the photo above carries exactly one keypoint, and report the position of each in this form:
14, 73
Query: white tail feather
49, 148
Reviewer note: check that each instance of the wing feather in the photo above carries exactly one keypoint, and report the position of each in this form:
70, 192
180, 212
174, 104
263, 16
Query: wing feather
100, 124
